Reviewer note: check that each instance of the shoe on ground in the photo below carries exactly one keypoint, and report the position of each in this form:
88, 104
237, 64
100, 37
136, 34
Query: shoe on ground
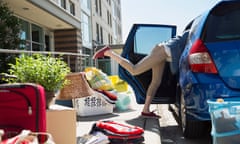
100, 53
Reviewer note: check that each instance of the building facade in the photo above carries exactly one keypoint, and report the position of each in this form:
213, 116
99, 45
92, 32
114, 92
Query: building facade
70, 26
104, 16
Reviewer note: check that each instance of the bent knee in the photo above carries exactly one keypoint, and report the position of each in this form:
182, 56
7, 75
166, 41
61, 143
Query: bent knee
134, 72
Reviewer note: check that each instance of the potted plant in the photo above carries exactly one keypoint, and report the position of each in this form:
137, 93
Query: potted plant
47, 71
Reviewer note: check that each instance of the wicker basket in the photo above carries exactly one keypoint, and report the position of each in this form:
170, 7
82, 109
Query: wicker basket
77, 88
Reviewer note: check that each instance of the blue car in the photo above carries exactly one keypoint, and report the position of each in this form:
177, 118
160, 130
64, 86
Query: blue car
209, 66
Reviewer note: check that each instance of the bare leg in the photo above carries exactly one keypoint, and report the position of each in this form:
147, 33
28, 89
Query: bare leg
154, 61
157, 56
157, 73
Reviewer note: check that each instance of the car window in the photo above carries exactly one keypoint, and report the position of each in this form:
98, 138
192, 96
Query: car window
224, 23
148, 37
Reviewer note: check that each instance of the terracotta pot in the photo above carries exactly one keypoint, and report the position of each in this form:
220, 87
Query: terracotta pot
49, 98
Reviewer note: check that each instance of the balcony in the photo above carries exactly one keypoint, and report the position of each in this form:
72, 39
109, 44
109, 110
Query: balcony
77, 62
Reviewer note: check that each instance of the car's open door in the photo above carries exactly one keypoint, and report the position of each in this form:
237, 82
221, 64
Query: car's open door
141, 39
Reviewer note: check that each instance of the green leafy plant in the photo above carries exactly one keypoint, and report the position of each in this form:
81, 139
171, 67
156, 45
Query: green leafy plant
47, 71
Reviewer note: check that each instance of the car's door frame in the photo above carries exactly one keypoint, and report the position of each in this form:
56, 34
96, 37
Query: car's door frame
134, 81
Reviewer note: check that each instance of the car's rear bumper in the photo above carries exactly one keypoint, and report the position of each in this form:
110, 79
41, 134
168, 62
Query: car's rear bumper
197, 95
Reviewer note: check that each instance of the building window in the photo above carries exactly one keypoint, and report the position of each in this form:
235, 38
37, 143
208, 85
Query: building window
86, 30
97, 33
119, 30
72, 8
109, 18
37, 38
96, 6
108, 15
63, 4
33, 37
100, 8
101, 33
25, 36
86, 3
109, 2
110, 40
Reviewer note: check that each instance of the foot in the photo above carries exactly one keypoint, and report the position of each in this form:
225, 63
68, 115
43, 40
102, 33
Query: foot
150, 115
100, 53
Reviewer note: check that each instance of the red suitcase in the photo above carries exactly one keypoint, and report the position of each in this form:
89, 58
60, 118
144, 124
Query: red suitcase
22, 106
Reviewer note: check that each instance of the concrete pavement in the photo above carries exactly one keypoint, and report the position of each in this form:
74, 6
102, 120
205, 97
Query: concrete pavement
131, 116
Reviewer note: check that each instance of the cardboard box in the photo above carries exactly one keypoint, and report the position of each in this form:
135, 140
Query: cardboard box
92, 105
62, 124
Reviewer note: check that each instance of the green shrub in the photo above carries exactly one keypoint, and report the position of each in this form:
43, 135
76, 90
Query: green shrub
47, 71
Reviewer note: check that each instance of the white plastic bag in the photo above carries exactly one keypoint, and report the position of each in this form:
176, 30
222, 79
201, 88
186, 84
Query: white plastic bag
28, 137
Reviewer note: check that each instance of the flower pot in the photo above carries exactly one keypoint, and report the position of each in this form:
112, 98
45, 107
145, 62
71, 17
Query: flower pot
49, 98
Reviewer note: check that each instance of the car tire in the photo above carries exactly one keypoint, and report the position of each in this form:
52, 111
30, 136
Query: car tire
191, 129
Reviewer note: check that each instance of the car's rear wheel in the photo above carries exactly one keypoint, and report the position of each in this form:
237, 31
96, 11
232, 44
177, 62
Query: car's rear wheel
190, 129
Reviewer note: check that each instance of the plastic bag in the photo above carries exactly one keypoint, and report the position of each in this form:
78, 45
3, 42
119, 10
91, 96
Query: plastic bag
123, 101
98, 79
28, 137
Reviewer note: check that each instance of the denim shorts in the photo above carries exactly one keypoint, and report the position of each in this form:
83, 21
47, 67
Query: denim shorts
176, 46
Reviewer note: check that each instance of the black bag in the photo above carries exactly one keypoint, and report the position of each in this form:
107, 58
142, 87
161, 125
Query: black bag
119, 133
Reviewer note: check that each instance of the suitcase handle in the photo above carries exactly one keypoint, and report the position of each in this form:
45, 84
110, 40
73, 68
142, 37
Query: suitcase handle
22, 95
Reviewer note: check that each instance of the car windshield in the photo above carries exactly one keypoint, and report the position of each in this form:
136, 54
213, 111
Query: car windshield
223, 23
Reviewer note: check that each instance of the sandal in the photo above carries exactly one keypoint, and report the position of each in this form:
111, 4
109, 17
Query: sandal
150, 115
100, 53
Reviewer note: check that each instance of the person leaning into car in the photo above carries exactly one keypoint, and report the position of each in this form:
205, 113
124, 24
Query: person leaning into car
170, 50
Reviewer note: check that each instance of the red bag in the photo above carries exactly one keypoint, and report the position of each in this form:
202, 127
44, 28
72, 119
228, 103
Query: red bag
119, 133
22, 106
108, 96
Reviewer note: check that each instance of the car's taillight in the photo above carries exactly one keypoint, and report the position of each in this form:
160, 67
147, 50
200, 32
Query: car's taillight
200, 59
